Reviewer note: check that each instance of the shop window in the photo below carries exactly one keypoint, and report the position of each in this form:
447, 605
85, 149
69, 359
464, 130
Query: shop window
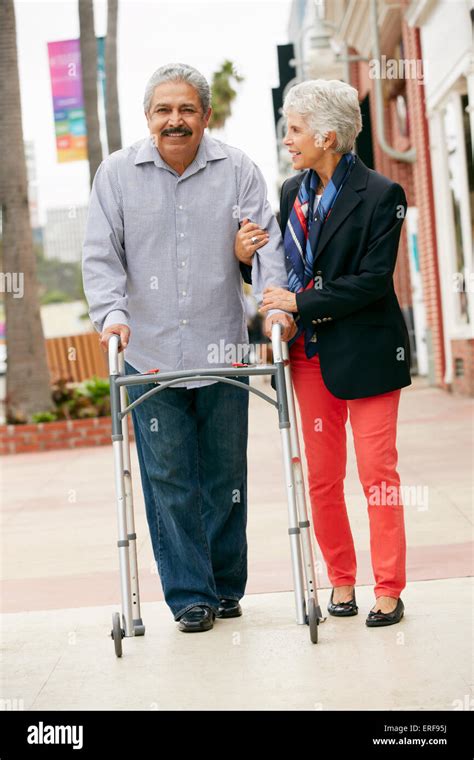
458, 367
461, 186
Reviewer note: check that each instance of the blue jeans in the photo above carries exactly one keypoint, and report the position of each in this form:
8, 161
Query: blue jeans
192, 451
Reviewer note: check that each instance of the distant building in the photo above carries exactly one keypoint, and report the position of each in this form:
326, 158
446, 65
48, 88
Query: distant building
64, 233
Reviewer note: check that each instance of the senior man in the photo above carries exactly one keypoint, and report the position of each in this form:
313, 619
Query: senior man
159, 270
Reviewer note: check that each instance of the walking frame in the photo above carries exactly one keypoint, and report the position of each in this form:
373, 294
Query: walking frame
308, 611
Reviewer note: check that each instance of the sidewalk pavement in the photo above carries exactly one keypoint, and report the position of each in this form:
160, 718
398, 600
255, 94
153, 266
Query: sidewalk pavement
61, 585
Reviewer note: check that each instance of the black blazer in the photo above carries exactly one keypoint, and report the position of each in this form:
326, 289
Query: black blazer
363, 341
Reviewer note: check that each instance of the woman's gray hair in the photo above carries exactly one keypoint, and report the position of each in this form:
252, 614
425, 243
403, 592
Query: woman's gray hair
327, 105
178, 72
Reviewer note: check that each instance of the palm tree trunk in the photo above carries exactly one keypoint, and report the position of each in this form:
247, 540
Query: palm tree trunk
88, 44
114, 137
28, 382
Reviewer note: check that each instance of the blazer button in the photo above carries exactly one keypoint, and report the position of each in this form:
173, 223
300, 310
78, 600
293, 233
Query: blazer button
319, 272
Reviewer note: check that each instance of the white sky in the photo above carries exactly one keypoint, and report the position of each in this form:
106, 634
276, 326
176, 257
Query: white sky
152, 33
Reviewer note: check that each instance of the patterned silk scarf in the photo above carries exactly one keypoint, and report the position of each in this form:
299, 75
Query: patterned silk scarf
300, 254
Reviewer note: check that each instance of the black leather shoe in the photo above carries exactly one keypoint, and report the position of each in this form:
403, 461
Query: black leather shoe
228, 608
198, 618
343, 609
375, 619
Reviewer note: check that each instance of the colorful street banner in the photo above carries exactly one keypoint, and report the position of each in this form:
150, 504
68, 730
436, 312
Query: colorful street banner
68, 103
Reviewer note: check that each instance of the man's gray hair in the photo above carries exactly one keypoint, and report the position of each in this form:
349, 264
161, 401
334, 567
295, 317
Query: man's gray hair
327, 105
178, 72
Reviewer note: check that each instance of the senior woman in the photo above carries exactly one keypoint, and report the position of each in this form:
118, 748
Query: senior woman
350, 356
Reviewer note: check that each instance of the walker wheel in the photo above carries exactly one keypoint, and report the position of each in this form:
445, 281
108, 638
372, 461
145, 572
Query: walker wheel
117, 634
313, 621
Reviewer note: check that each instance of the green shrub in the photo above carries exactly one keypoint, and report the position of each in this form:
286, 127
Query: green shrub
44, 417
90, 399
97, 388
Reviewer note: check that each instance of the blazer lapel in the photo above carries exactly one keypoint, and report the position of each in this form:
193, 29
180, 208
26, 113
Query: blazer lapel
345, 204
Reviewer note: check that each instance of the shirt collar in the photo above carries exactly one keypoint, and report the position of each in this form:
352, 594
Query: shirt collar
209, 150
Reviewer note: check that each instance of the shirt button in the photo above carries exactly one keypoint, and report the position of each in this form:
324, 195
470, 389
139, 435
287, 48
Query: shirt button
181, 234
183, 263
183, 293
183, 321
180, 207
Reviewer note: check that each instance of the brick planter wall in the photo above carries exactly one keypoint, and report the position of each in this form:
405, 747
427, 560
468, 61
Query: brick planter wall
66, 434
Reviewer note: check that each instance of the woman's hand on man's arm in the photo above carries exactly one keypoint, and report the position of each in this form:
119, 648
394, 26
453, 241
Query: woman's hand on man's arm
244, 249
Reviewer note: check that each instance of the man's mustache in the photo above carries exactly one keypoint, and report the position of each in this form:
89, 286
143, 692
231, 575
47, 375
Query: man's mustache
177, 130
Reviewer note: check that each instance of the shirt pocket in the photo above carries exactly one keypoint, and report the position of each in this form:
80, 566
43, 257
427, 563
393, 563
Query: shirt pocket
140, 224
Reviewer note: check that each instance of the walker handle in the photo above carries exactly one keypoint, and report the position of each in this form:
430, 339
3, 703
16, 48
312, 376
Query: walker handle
276, 341
113, 345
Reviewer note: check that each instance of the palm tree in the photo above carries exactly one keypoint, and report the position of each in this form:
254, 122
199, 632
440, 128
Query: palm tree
114, 137
88, 44
223, 94
28, 383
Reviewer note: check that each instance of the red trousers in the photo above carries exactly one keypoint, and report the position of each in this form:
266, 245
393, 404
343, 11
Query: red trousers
374, 428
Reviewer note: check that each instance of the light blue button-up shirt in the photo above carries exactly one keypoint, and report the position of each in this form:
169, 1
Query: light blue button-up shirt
159, 257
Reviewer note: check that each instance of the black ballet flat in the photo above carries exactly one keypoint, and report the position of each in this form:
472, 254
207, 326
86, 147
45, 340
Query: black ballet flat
343, 609
375, 619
